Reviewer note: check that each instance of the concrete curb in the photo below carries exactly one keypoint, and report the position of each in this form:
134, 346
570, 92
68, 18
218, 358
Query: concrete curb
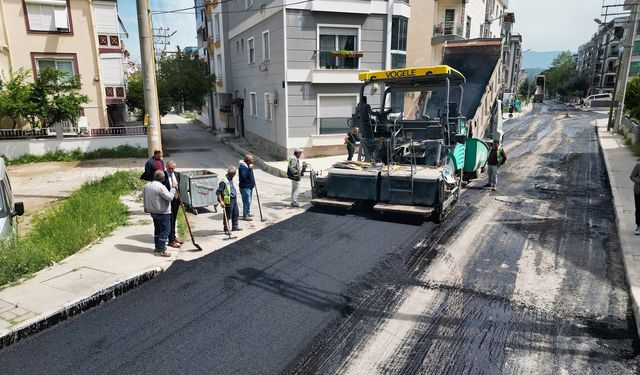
77, 306
257, 160
631, 271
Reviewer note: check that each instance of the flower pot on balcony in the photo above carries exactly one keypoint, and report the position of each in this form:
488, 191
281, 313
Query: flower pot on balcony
347, 54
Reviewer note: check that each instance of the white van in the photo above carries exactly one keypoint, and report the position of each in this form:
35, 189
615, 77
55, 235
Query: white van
8, 209
597, 97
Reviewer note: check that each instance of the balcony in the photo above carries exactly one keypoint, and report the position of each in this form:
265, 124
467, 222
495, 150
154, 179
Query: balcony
339, 59
446, 31
614, 53
608, 83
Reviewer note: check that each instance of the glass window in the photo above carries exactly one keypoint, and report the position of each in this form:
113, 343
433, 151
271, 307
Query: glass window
253, 104
48, 17
266, 48
63, 65
252, 51
635, 68
636, 48
268, 107
399, 34
335, 111
337, 39
398, 60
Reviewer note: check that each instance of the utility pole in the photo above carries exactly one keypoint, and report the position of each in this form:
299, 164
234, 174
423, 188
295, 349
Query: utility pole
152, 114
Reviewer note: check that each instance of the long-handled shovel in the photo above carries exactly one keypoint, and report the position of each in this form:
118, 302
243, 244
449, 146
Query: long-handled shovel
226, 221
189, 226
258, 196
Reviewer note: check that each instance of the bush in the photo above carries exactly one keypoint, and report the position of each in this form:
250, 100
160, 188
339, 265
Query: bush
90, 213
122, 151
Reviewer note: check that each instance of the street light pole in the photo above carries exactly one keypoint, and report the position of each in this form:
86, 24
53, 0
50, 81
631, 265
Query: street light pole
152, 114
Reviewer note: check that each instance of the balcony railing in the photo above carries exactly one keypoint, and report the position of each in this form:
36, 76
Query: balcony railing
329, 60
448, 28
608, 84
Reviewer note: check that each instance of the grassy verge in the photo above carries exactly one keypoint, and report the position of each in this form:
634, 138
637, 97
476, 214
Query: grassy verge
90, 213
635, 148
181, 225
123, 151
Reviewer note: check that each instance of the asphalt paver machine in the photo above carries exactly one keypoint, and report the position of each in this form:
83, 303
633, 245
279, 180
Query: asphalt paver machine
410, 161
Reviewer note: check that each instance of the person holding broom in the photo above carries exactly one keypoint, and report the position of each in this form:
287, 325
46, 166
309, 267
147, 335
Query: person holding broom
226, 195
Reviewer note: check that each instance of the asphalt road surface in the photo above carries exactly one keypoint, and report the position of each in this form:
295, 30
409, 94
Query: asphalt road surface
524, 280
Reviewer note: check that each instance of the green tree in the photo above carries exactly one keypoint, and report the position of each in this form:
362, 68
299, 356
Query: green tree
560, 74
135, 96
632, 97
184, 78
54, 99
15, 93
525, 90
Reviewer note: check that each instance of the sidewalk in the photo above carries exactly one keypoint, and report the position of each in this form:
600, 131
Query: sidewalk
619, 162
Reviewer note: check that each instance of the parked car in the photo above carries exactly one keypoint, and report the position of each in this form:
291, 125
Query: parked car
597, 97
8, 209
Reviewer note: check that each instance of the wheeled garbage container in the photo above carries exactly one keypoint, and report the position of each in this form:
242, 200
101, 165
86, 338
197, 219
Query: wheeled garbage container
198, 189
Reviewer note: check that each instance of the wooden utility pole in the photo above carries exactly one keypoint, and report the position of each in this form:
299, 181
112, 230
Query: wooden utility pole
152, 113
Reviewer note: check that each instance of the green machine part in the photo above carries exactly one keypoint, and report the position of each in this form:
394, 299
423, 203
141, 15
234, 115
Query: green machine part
477, 152
457, 156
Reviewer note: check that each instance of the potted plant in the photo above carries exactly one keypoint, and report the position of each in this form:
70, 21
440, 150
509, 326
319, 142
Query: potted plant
346, 53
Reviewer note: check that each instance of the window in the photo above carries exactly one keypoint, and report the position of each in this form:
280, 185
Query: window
63, 64
248, 3
253, 104
111, 70
635, 68
251, 53
399, 34
268, 107
337, 39
636, 48
237, 46
219, 75
50, 15
468, 28
399, 43
216, 25
242, 44
266, 47
638, 28
334, 111
449, 21
106, 15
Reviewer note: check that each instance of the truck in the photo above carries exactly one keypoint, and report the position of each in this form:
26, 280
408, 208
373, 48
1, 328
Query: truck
538, 96
430, 129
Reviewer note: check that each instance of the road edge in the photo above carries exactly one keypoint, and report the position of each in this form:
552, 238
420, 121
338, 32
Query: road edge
631, 271
256, 159
78, 306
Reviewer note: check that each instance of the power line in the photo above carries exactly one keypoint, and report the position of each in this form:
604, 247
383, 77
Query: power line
260, 9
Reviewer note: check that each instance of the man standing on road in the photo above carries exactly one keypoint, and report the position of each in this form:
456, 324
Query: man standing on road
157, 202
635, 177
497, 157
154, 163
295, 170
351, 140
172, 179
227, 198
246, 184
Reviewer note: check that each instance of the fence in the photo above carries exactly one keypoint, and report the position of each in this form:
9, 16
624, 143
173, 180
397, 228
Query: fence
70, 131
630, 129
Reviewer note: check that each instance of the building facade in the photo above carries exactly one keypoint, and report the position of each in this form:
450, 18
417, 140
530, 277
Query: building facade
81, 37
512, 60
286, 75
598, 59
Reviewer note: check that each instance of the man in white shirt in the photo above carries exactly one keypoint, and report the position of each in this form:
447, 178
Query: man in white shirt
157, 202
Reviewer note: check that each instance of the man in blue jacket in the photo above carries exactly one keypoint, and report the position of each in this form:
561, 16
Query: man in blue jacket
246, 184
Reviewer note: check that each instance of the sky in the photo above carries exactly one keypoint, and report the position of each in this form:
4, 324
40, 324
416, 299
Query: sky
545, 25
556, 25
184, 23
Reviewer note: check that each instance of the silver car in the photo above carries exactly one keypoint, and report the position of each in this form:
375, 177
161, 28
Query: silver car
8, 209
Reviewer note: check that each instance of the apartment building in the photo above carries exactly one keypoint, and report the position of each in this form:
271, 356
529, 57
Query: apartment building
286, 71
81, 37
512, 59
598, 59
445, 20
